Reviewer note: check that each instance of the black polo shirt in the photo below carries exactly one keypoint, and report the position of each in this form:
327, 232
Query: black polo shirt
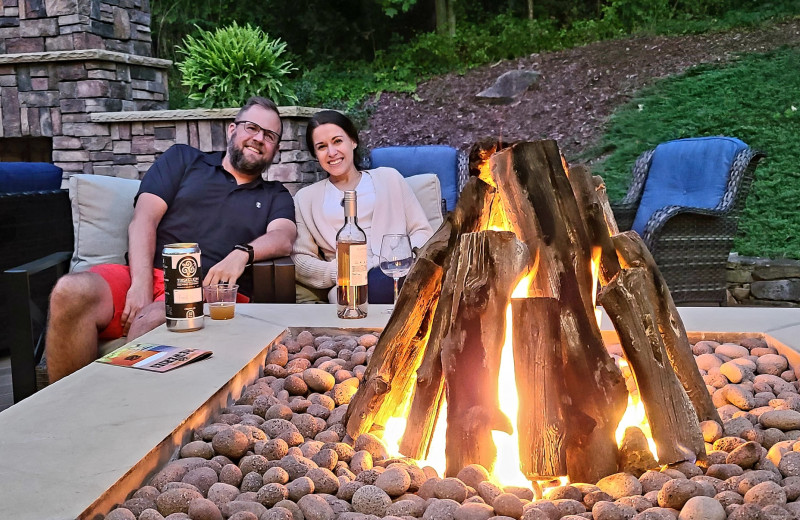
205, 205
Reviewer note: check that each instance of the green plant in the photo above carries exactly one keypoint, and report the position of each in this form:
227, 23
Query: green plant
635, 14
755, 100
225, 67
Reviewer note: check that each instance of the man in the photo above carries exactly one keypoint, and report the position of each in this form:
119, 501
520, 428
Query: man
216, 199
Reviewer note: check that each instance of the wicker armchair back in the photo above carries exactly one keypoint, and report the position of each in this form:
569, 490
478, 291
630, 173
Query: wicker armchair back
691, 245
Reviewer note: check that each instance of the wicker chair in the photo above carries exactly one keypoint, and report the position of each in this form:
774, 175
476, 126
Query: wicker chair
689, 243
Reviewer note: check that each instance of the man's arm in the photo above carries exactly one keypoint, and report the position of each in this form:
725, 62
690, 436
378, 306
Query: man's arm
277, 241
147, 214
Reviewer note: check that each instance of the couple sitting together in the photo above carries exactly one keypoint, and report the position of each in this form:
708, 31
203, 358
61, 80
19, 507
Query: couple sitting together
221, 201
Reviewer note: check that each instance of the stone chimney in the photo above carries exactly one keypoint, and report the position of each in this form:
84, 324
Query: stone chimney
60, 61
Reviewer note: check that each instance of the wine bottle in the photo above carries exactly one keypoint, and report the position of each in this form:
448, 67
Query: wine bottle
351, 261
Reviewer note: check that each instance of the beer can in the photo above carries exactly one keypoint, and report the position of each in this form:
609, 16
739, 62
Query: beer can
183, 290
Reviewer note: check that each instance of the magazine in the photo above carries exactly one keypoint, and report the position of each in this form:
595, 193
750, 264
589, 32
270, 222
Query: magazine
150, 356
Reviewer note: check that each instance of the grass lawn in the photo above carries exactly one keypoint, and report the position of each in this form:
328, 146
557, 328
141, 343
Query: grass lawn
756, 99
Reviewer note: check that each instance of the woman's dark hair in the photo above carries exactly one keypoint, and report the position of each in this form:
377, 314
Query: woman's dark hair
332, 117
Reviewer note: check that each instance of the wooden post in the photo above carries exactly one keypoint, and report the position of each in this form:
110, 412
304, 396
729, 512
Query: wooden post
632, 250
539, 202
471, 214
397, 355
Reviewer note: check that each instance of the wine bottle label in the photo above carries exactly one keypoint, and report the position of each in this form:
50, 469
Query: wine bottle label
351, 264
358, 264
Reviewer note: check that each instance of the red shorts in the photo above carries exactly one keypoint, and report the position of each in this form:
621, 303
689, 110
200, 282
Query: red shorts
118, 278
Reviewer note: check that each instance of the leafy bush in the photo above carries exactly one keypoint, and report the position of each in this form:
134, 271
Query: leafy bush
225, 67
755, 100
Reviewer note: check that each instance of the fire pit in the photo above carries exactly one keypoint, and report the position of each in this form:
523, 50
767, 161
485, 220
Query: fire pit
445, 336
527, 212
84, 444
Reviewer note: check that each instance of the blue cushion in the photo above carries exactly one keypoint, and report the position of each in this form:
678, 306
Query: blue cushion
687, 172
16, 177
413, 160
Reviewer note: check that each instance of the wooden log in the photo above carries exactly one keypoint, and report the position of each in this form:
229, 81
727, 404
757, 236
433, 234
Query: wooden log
598, 394
539, 368
389, 375
471, 214
539, 201
590, 203
633, 252
484, 273
602, 196
631, 301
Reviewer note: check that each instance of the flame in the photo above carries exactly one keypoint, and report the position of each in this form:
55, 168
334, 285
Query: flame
507, 470
486, 174
395, 427
635, 415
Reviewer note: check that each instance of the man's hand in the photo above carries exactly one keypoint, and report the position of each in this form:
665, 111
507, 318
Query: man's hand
138, 298
150, 317
227, 270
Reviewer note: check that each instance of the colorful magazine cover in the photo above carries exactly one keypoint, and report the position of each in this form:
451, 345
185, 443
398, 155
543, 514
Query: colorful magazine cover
150, 356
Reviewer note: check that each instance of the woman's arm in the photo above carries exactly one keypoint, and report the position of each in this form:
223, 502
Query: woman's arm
310, 269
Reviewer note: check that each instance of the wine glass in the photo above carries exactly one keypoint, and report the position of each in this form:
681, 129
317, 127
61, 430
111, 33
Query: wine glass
396, 258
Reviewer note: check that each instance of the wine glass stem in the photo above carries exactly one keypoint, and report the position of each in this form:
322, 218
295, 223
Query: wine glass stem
395, 290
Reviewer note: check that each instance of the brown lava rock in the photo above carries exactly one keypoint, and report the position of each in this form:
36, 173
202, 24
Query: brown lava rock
282, 453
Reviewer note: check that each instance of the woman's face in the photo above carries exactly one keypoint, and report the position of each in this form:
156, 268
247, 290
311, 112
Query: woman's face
334, 149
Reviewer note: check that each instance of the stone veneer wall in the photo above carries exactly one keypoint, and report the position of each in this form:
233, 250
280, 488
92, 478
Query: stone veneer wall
133, 140
58, 25
763, 281
52, 94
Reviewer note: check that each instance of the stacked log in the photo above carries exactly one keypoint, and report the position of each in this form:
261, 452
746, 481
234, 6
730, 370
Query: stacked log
445, 338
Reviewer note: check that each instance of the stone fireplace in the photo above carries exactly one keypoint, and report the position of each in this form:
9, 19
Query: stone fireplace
82, 90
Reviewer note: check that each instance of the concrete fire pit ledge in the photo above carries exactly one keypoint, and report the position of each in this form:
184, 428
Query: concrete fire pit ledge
83, 444
76, 448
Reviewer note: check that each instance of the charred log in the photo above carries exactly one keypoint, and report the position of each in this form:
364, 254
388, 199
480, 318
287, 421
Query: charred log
483, 275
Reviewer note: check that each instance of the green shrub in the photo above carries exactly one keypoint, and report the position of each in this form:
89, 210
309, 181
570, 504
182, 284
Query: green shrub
225, 67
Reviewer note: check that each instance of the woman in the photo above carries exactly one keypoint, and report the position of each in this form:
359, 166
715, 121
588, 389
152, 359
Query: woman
386, 204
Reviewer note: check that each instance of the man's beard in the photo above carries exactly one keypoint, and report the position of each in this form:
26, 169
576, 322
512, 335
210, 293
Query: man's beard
253, 167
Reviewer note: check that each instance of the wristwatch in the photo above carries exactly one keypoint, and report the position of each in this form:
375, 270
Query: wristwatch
247, 248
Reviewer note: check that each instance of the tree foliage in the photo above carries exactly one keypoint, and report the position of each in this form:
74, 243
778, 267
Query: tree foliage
348, 50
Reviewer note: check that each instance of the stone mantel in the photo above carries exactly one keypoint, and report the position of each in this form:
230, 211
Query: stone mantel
191, 114
84, 55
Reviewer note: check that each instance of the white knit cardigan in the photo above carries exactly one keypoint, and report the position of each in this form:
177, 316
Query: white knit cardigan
397, 210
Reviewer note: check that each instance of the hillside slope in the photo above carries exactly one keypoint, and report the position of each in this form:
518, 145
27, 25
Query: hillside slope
577, 92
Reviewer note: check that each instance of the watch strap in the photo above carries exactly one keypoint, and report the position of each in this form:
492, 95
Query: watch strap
247, 248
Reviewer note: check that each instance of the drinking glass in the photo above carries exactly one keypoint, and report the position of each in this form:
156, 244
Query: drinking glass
396, 258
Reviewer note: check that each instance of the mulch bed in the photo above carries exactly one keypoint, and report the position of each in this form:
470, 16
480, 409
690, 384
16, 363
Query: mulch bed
577, 92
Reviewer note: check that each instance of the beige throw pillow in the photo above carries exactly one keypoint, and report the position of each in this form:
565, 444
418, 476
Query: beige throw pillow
102, 208
429, 193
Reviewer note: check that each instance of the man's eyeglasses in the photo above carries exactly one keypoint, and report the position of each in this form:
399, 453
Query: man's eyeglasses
253, 129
